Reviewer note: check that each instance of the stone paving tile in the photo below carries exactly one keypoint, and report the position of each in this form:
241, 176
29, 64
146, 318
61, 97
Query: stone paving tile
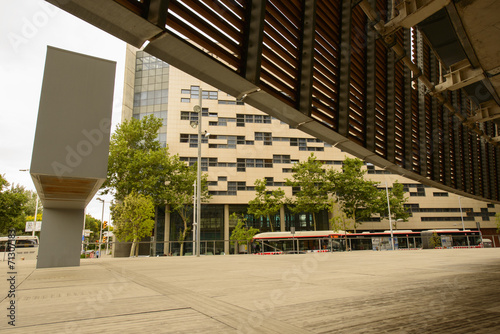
442, 291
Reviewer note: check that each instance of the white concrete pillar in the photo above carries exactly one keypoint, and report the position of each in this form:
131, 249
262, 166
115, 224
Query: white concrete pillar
60, 238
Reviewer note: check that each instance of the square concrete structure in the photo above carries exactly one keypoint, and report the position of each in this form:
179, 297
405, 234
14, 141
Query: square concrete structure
70, 152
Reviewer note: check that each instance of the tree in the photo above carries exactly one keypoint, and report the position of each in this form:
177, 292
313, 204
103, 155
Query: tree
133, 219
435, 240
310, 178
397, 200
31, 204
357, 196
180, 194
266, 203
339, 221
137, 162
12, 205
241, 231
94, 225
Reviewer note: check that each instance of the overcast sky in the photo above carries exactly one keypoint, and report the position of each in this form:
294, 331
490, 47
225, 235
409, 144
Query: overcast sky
27, 27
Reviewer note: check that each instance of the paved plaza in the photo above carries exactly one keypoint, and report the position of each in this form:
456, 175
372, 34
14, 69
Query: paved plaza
424, 291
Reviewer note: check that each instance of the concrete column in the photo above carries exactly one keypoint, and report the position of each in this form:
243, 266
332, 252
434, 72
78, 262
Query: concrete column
60, 238
226, 228
282, 218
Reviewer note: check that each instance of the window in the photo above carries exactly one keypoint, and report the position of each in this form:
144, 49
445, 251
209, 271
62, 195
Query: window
266, 137
209, 95
281, 159
440, 194
185, 100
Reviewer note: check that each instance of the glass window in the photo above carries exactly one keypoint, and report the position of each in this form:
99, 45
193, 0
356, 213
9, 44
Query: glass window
185, 100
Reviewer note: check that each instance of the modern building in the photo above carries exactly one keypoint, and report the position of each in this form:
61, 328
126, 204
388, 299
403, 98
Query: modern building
245, 144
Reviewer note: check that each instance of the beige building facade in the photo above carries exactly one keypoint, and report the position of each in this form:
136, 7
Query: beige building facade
245, 144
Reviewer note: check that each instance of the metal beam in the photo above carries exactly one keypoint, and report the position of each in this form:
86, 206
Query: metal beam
460, 75
253, 40
345, 69
408, 140
157, 13
412, 12
487, 111
370, 88
307, 57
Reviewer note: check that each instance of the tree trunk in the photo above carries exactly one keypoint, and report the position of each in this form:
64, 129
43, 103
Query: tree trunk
354, 218
181, 252
270, 223
132, 248
314, 221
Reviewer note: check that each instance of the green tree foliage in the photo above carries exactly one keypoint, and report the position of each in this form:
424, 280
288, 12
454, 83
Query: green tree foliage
180, 194
241, 232
357, 196
12, 205
133, 219
339, 221
435, 240
93, 225
31, 204
314, 186
137, 162
266, 203
397, 200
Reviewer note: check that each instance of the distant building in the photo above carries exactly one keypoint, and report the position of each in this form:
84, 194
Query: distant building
246, 144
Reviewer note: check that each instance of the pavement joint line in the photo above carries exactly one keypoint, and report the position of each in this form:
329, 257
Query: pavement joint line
195, 299
106, 317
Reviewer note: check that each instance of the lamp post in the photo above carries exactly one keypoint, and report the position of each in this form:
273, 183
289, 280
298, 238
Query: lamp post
462, 217
102, 222
36, 207
198, 108
389, 210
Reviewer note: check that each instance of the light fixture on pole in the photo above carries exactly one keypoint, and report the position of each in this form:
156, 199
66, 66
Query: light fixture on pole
389, 210
462, 217
36, 207
198, 109
102, 222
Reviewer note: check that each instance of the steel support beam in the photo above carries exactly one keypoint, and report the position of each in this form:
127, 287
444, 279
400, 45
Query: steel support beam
487, 111
421, 109
253, 41
345, 69
408, 147
460, 75
370, 88
435, 135
412, 12
391, 108
307, 57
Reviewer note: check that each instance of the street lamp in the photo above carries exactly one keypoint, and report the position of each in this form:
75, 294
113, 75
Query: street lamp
198, 109
462, 217
102, 222
36, 207
389, 210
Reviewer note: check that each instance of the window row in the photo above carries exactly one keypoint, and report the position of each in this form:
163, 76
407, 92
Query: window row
242, 164
242, 119
151, 98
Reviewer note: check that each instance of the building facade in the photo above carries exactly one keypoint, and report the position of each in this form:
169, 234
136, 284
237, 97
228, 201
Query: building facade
245, 144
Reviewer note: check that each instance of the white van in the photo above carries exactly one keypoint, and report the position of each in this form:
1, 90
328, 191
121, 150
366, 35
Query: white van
26, 247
